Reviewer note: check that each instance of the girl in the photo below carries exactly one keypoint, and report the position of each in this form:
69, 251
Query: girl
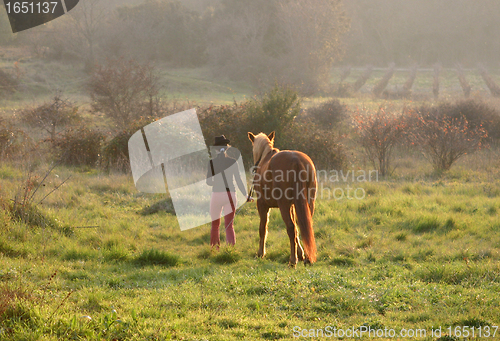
221, 172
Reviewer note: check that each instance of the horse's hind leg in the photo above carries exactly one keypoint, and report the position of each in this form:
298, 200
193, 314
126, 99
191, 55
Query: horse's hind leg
264, 218
300, 250
291, 229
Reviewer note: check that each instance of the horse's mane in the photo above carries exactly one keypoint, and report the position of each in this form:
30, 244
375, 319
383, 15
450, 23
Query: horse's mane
261, 146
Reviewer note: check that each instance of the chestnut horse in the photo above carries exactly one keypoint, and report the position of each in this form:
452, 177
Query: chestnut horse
287, 180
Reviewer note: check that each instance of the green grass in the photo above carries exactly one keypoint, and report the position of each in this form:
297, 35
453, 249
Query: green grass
420, 250
409, 255
198, 86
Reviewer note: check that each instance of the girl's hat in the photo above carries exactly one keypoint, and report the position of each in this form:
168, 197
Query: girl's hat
221, 141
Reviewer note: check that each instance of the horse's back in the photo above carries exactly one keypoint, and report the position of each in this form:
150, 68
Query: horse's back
292, 169
287, 160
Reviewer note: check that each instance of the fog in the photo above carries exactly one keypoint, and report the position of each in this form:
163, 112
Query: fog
262, 41
423, 32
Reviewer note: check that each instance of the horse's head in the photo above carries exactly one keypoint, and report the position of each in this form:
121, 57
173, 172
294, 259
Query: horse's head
262, 144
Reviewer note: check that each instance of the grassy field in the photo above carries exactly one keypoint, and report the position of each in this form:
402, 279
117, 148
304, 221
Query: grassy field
416, 252
411, 254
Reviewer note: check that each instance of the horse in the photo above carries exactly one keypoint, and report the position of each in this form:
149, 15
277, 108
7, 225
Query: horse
286, 180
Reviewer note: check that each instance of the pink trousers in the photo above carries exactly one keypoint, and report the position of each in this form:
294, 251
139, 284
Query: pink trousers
218, 203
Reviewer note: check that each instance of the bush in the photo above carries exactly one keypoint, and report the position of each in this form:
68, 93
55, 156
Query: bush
115, 153
78, 146
379, 133
321, 146
13, 141
273, 111
445, 139
475, 111
31, 215
124, 90
449, 131
228, 120
328, 114
52, 115
5, 217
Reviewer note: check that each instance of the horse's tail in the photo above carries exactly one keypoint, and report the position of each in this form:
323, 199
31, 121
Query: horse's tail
304, 206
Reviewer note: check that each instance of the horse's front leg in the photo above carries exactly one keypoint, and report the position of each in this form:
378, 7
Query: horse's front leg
264, 218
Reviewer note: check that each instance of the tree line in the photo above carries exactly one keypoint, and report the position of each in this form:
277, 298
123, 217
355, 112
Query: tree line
260, 41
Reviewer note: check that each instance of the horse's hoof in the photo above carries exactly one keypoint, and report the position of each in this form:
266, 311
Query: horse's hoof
307, 262
292, 266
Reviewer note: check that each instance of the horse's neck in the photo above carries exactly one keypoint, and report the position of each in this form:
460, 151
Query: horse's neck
269, 152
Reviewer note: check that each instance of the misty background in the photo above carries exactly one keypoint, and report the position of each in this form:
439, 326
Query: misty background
263, 41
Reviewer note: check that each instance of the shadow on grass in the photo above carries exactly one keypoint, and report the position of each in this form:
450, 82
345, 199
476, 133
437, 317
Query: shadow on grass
429, 224
156, 257
164, 205
459, 274
226, 255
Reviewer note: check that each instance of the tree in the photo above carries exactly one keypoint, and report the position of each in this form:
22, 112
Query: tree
75, 36
6, 35
311, 31
124, 90
289, 41
160, 30
87, 20
490, 83
379, 87
237, 39
52, 115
